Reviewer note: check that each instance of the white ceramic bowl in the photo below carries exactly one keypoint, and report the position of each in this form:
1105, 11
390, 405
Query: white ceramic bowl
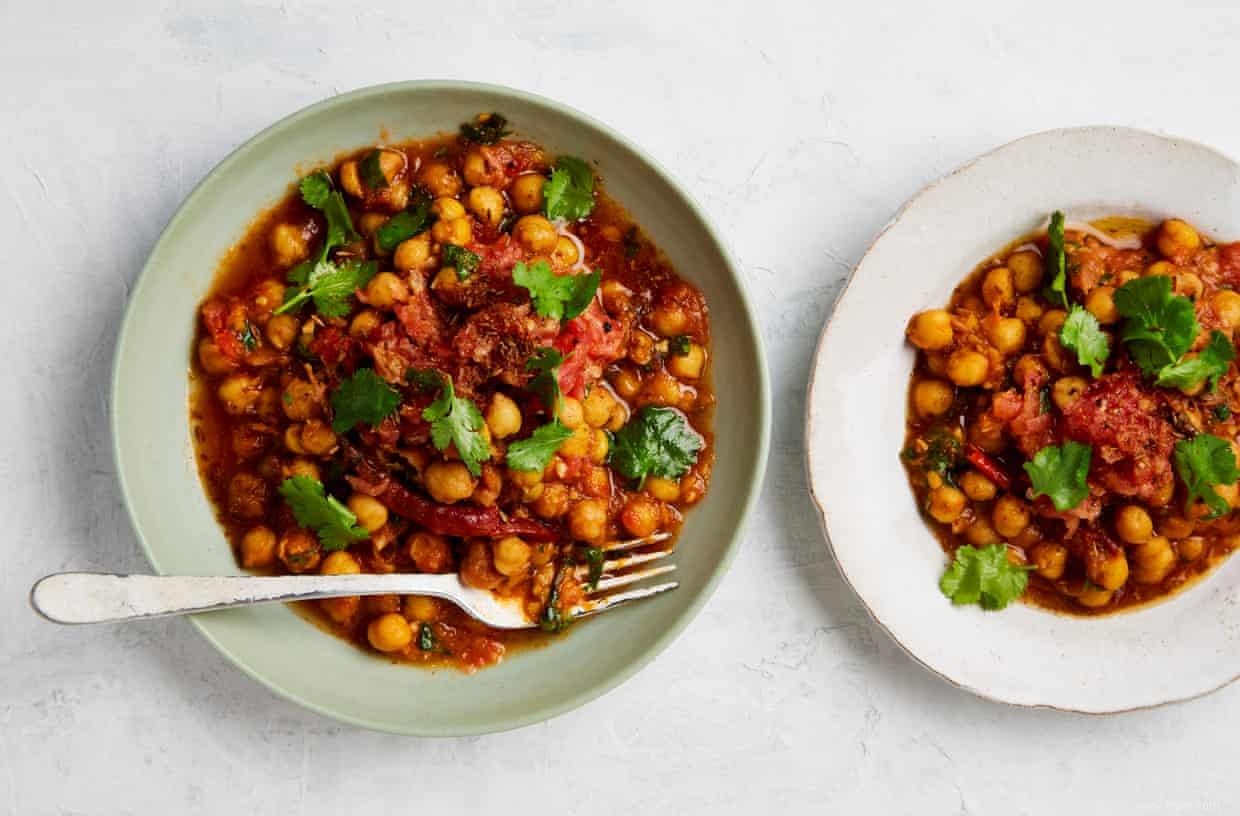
1174, 650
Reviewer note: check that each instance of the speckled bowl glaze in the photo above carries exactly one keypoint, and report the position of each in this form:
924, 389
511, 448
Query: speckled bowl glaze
175, 524
1174, 650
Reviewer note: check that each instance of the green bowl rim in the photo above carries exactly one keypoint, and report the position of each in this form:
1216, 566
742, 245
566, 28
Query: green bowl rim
751, 327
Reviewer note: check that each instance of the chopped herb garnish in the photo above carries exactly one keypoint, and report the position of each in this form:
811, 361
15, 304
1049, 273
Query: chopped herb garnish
656, 442
1222, 413
461, 259
371, 171
680, 345
415, 219
456, 421
1204, 462
330, 285
248, 338
487, 128
335, 524
1056, 267
426, 638
363, 399
1059, 471
569, 194
985, 577
1160, 327
1210, 363
1081, 333
561, 297
553, 618
533, 454
546, 363
594, 560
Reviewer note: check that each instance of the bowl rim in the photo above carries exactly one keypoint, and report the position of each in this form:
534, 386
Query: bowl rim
819, 502
751, 328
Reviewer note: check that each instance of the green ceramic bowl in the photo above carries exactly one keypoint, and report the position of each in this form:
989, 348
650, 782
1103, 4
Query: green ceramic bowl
174, 522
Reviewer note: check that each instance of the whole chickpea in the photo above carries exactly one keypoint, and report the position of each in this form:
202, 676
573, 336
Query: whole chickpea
640, 516
511, 555
1010, 516
931, 330
1100, 302
414, 254
526, 192
597, 406
258, 547
385, 290
449, 482
1006, 334
371, 513
288, 245
976, 486
317, 437
1227, 306
1177, 239
299, 550
932, 398
1026, 270
1050, 560
1067, 390
1153, 560
389, 632
363, 323
503, 416
457, 231
535, 233
688, 366
440, 179
281, 331
239, 392
1133, 524
997, 287
487, 204
1051, 322
587, 520
967, 368
212, 359
447, 208
946, 503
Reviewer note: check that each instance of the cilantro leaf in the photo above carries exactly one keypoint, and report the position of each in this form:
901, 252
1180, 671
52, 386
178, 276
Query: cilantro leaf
1210, 363
487, 128
317, 192
1059, 471
594, 559
1202, 463
1056, 262
534, 453
315, 189
569, 194
984, 577
561, 297
1222, 413
363, 399
656, 442
553, 618
415, 219
335, 524
248, 338
426, 638
371, 171
331, 285
461, 259
457, 421
546, 383
1082, 334
1160, 326
680, 345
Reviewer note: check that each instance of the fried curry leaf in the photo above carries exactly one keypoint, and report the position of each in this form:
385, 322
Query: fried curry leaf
1160, 326
984, 577
569, 194
332, 522
487, 128
371, 171
415, 219
330, 285
363, 399
1210, 363
461, 259
656, 442
561, 297
534, 453
1059, 471
1082, 333
1056, 263
457, 421
1204, 462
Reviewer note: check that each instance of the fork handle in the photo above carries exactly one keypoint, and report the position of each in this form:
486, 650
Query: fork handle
96, 597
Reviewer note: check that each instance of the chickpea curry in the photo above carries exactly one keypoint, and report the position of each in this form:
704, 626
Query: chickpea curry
1072, 418
449, 355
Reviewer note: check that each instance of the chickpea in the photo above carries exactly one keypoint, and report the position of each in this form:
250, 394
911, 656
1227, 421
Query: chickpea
340, 562
1163, 494
1028, 310
980, 533
449, 482
976, 486
385, 290
626, 383
281, 331
239, 392
1227, 306
1176, 239
967, 368
1010, 516
931, 330
665, 490
489, 486
478, 566
363, 323
669, 320
1175, 527
375, 605
1190, 549
932, 398
565, 252
420, 608
389, 633
1067, 391
1094, 596
212, 359
1133, 524
474, 168
641, 348
526, 192
587, 520
572, 414
640, 516
1110, 571
1188, 285
1164, 268
511, 556
317, 437
1026, 271
371, 513
578, 444
413, 254
1056, 356
487, 204
457, 231
1153, 559
663, 389
302, 467
503, 416
997, 287
447, 209
430, 552
535, 233
440, 179
369, 223
299, 550
553, 502
1006, 334
1050, 559
597, 405
600, 443
946, 503
1100, 302
1051, 322
616, 296
351, 179
288, 244
688, 366
258, 547
300, 400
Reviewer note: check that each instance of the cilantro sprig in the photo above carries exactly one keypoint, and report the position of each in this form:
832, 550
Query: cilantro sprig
656, 442
454, 420
1210, 363
487, 128
984, 577
462, 260
415, 219
534, 453
1082, 334
329, 284
1056, 291
314, 508
361, 399
1203, 463
561, 297
1059, 471
371, 171
569, 194
1159, 326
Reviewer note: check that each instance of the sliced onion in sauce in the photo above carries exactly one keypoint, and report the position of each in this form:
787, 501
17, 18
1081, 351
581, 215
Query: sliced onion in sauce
1126, 242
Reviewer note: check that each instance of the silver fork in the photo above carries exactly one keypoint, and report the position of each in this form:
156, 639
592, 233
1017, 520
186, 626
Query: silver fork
95, 597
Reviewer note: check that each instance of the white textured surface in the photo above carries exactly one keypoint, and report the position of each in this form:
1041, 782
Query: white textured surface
801, 128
